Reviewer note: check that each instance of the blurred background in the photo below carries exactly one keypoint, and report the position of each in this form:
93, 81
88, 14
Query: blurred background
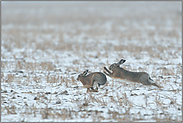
96, 21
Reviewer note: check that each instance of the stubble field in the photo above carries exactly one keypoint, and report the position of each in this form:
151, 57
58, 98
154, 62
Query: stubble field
46, 45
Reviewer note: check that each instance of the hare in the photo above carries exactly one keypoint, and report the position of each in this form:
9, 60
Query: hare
120, 73
91, 80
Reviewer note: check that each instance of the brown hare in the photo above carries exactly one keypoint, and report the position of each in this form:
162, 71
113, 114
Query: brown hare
91, 80
120, 73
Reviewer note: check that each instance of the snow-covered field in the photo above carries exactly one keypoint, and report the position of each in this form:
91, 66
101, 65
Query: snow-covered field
46, 45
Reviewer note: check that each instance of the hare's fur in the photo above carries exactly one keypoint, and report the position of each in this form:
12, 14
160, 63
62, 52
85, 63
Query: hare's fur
120, 73
91, 80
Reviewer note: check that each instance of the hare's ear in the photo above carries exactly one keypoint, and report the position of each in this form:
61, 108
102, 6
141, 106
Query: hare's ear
85, 72
121, 61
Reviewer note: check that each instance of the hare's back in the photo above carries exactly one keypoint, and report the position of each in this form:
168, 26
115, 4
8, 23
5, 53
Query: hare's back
99, 77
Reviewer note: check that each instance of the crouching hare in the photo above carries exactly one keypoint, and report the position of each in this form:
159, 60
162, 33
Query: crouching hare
120, 73
91, 80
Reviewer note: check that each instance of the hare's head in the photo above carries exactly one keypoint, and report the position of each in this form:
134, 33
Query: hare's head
82, 74
115, 65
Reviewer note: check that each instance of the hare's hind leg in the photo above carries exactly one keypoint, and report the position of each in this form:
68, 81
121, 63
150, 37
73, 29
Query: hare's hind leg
156, 85
146, 80
96, 85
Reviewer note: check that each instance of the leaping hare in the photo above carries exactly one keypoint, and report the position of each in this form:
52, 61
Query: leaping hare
120, 73
91, 80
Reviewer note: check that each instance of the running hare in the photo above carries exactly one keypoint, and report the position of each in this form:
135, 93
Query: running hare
92, 79
120, 73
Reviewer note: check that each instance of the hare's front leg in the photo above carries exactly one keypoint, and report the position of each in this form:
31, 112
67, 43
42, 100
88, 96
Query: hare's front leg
107, 72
